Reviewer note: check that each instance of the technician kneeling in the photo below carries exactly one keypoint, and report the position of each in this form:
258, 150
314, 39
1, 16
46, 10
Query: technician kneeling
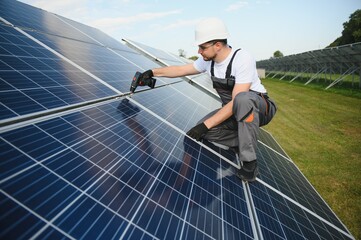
246, 105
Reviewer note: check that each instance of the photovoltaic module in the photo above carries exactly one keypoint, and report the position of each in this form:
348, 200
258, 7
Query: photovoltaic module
80, 159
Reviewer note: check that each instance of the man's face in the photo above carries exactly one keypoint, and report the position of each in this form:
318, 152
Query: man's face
207, 51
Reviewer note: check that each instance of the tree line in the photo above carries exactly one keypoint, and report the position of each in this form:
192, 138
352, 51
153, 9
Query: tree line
351, 31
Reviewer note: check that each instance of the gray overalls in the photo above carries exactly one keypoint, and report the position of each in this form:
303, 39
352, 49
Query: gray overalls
250, 111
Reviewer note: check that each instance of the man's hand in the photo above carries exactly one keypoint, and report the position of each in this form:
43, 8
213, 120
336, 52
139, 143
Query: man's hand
145, 75
198, 131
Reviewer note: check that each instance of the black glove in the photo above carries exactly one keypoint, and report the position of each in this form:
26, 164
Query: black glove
144, 76
198, 131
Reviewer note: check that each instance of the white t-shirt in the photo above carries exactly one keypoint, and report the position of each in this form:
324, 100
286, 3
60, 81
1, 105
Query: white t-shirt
243, 69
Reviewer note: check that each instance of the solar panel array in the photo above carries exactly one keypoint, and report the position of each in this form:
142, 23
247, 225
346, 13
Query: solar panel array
343, 60
81, 159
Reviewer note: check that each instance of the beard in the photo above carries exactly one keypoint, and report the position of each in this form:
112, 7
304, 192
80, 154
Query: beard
209, 58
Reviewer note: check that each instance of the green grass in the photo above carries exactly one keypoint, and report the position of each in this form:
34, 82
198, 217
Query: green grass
321, 131
349, 81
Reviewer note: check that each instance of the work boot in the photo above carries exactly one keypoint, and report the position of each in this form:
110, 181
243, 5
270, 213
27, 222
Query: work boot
248, 172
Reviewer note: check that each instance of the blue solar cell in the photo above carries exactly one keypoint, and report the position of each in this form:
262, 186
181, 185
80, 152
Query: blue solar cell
12, 160
33, 79
41, 191
6, 113
11, 210
93, 215
19, 103
16, 63
47, 99
33, 142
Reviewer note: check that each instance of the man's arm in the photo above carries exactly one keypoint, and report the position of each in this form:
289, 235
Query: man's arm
226, 111
175, 71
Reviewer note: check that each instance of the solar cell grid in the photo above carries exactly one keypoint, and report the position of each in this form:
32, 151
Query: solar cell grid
118, 169
284, 176
37, 83
267, 139
113, 66
180, 104
280, 218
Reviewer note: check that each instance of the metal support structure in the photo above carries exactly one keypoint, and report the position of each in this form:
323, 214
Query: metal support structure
315, 76
344, 60
348, 72
287, 73
278, 73
298, 75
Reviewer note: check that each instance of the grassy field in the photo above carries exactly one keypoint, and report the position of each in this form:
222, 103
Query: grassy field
321, 131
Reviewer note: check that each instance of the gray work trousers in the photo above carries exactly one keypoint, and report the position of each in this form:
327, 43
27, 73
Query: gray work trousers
250, 111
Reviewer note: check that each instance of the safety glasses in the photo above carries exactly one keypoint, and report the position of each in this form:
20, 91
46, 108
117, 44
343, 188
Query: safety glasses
202, 47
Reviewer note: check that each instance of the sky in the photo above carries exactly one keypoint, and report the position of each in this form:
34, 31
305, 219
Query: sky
261, 27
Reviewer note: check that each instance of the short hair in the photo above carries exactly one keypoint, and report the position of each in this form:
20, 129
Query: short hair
223, 41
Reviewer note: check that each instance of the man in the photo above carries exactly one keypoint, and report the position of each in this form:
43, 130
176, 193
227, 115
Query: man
246, 105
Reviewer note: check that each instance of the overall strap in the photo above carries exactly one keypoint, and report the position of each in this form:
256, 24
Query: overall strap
212, 68
229, 67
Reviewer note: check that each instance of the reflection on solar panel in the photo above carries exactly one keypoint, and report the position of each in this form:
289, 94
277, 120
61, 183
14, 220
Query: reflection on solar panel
25, 16
168, 59
120, 167
162, 56
34, 79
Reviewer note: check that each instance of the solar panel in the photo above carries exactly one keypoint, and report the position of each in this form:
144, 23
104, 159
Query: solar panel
283, 177
33, 79
280, 218
121, 167
343, 60
129, 165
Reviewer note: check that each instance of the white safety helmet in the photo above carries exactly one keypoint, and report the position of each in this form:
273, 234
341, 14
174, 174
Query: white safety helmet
210, 29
